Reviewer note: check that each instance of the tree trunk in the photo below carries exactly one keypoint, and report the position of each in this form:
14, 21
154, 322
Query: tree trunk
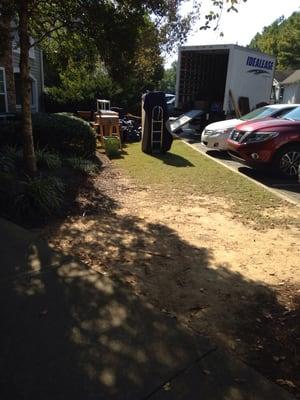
28, 146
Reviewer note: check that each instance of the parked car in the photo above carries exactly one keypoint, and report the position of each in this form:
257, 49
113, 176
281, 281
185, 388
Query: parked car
215, 135
170, 100
269, 143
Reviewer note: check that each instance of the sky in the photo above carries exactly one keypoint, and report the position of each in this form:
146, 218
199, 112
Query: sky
239, 28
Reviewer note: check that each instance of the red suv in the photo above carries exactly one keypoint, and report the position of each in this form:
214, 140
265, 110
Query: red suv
271, 142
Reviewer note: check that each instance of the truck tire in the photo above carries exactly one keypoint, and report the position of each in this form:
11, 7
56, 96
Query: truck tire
287, 161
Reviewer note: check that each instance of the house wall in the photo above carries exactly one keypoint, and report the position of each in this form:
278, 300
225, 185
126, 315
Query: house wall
36, 73
6, 63
9, 61
291, 94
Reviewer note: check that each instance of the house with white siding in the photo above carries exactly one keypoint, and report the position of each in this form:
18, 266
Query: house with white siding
291, 86
10, 87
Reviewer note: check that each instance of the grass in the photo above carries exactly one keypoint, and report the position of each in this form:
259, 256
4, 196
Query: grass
184, 171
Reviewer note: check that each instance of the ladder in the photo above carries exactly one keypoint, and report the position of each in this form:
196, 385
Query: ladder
157, 127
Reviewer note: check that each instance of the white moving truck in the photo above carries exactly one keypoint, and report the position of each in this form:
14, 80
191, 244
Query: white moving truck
207, 74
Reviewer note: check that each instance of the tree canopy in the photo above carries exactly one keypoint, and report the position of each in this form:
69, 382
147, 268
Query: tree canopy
282, 39
168, 82
75, 68
125, 34
125, 37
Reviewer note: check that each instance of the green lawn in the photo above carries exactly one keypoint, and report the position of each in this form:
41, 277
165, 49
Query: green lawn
188, 172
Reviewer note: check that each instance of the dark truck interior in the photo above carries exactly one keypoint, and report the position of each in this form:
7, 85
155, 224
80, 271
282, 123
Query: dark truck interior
202, 81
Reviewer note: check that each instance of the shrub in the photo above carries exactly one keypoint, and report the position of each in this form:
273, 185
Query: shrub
112, 145
79, 87
47, 159
10, 132
10, 157
82, 165
40, 196
62, 133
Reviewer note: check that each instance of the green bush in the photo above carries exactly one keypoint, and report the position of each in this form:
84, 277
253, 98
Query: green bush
47, 159
10, 132
40, 196
61, 133
79, 86
10, 158
82, 165
112, 145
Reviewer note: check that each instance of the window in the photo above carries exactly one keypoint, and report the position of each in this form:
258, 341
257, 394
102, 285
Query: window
293, 115
2, 91
17, 77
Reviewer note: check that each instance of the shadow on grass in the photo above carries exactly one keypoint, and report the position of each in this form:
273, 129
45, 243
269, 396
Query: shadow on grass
173, 159
119, 155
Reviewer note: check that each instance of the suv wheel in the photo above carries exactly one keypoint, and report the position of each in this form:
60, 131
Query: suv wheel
287, 161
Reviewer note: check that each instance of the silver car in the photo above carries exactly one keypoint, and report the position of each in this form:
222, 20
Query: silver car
215, 135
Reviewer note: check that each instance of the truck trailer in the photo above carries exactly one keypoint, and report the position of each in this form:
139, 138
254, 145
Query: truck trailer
217, 78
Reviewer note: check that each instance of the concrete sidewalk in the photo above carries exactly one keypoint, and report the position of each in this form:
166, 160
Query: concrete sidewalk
68, 332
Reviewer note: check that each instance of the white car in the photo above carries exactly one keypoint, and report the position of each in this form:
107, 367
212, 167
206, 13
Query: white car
170, 100
215, 135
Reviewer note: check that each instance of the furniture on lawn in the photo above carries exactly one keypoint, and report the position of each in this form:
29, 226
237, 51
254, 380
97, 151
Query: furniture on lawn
107, 124
103, 105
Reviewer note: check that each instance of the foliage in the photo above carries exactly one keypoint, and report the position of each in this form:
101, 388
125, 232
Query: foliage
61, 54
79, 85
82, 165
168, 82
146, 68
10, 157
64, 134
80, 79
112, 145
112, 27
124, 37
30, 200
282, 39
59, 133
40, 196
6, 163
10, 134
25, 198
47, 159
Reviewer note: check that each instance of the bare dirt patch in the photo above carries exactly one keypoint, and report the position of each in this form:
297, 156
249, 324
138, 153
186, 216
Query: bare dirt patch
188, 256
